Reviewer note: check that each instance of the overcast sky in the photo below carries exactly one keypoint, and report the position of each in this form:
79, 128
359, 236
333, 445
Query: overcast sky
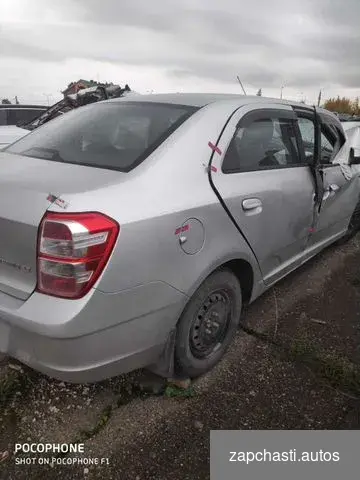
184, 45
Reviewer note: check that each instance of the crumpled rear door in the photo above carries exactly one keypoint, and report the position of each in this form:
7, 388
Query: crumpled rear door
341, 186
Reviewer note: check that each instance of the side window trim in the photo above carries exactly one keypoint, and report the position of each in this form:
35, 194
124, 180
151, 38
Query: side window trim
254, 115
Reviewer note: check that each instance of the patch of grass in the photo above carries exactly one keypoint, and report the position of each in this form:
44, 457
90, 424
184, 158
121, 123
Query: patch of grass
340, 372
126, 394
301, 349
336, 369
172, 391
87, 434
100, 424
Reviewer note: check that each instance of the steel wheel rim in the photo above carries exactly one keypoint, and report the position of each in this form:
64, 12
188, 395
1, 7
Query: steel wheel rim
211, 323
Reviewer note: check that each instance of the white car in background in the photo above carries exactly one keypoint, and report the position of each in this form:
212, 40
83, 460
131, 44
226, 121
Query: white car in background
352, 131
11, 116
348, 125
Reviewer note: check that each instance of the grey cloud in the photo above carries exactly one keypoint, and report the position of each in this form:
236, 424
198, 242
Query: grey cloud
339, 14
10, 48
341, 49
307, 43
256, 75
227, 20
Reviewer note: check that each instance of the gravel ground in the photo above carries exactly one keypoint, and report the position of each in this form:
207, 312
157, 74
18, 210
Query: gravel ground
264, 382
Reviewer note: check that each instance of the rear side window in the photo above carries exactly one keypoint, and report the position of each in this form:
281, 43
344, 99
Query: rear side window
112, 135
265, 143
307, 131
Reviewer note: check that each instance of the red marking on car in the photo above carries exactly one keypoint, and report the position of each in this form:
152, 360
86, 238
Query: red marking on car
58, 201
311, 230
51, 198
214, 148
182, 229
61, 203
213, 169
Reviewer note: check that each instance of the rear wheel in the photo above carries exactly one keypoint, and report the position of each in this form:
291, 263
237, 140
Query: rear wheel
208, 324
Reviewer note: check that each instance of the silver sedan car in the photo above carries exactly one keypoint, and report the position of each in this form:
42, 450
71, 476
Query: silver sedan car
134, 232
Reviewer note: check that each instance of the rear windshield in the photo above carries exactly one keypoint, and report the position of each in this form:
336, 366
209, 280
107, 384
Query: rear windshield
112, 135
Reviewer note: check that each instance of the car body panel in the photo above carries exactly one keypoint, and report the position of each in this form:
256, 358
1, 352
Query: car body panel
340, 195
84, 340
278, 230
148, 227
337, 206
180, 219
25, 184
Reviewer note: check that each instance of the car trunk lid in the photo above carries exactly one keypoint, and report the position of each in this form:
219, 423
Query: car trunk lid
28, 187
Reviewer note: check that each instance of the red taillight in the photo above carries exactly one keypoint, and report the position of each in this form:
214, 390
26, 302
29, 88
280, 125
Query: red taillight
73, 250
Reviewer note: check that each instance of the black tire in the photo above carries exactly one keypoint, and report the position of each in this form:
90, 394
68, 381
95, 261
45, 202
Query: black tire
354, 226
216, 308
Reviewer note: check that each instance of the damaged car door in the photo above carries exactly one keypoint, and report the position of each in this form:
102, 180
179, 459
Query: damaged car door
339, 194
266, 185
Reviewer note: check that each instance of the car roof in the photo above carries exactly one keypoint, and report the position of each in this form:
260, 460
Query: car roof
12, 106
196, 99
202, 99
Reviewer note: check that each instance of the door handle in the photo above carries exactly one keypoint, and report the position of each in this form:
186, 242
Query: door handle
331, 191
252, 204
334, 188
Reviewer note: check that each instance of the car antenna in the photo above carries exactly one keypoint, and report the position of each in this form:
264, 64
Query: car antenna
243, 89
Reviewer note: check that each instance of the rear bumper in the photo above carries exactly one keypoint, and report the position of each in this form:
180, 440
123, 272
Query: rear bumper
107, 334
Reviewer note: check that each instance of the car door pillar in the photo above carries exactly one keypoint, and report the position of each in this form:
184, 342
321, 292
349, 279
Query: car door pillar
316, 167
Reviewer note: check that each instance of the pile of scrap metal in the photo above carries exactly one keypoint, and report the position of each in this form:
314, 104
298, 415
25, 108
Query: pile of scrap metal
83, 97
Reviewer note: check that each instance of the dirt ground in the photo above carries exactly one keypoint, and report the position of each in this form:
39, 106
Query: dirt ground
294, 365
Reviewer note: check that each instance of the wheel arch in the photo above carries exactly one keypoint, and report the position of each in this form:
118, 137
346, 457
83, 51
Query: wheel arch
243, 268
247, 275
244, 273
